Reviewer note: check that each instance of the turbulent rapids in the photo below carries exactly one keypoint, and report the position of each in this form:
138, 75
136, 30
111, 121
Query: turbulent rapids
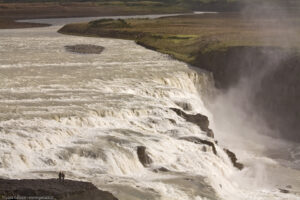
87, 114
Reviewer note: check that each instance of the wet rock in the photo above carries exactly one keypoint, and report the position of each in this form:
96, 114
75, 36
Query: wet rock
284, 191
85, 48
172, 121
161, 169
184, 105
52, 188
143, 156
197, 140
233, 159
198, 119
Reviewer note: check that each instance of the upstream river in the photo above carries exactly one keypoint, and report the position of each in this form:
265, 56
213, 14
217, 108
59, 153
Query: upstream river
86, 114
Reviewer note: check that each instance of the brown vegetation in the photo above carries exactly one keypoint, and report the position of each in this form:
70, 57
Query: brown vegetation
185, 36
12, 11
78, 9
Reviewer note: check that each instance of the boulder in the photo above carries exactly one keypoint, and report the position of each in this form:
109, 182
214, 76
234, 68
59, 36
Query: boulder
197, 140
233, 159
198, 119
143, 156
161, 169
284, 191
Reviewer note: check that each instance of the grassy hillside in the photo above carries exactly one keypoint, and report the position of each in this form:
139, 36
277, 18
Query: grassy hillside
185, 36
217, 5
47, 9
20, 9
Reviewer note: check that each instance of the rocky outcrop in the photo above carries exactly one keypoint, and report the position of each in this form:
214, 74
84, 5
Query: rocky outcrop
52, 188
184, 105
160, 169
211, 144
233, 159
85, 48
284, 191
198, 119
197, 140
143, 156
230, 65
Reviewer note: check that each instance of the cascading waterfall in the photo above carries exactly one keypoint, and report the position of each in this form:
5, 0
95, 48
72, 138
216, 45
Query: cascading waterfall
88, 114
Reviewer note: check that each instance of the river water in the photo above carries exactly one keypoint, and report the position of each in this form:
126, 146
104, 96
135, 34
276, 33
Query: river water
87, 114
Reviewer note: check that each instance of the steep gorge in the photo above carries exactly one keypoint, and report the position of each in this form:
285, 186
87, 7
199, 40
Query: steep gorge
269, 76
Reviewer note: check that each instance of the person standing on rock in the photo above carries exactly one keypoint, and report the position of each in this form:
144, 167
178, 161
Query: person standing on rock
63, 176
59, 176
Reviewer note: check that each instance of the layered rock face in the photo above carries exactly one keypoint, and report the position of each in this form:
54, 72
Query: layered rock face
271, 78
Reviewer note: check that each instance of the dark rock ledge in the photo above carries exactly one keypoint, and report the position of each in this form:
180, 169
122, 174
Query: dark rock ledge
51, 189
203, 122
198, 119
197, 140
233, 159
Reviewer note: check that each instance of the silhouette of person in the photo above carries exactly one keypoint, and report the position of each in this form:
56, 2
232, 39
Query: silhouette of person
63, 176
59, 176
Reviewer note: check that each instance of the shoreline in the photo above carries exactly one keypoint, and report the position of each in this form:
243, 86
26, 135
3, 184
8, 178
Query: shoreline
11, 12
13, 24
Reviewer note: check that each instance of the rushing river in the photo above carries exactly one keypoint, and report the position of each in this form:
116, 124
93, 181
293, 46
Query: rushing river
87, 114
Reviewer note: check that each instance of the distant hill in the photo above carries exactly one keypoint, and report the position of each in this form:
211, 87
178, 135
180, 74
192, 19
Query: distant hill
213, 5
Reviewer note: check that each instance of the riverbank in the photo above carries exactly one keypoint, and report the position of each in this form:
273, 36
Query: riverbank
206, 40
38, 10
51, 189
10, 24
184, 37
9, 12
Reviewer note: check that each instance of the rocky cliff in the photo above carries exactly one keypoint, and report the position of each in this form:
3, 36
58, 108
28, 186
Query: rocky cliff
270, 76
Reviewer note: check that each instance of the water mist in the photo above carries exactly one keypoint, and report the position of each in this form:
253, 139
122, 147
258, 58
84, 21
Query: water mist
255, 116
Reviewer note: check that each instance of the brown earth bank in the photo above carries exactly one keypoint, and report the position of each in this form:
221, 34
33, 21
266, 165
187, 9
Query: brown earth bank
51, 189
77, 9
11, 24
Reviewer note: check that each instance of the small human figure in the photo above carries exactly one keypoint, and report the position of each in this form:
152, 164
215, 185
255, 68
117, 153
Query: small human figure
63, 176
59, 176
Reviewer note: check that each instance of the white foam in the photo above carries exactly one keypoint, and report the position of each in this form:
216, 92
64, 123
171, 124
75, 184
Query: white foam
86, 115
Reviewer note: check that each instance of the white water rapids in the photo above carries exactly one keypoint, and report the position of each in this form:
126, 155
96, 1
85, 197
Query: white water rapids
86, 115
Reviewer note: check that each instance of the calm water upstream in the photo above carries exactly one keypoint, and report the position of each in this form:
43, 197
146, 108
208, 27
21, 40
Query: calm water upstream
87, 114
